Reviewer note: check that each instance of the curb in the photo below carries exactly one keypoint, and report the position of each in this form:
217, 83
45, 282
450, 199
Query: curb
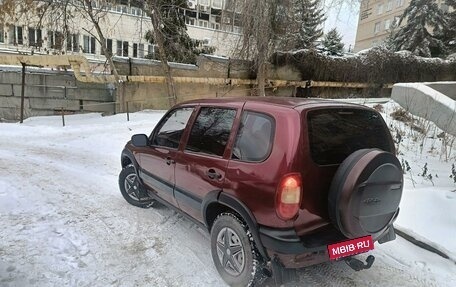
412, 239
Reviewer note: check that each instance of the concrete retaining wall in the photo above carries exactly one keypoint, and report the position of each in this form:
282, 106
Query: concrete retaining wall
424, 100
47, 91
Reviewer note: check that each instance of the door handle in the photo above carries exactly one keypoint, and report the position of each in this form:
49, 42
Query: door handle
170, 161
212, 174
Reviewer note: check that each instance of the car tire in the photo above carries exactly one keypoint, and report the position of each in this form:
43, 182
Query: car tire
132, 189
365, 193
240, 263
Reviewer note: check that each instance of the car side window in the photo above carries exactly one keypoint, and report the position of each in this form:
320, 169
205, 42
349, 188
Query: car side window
171, 129
211, 131
254, 138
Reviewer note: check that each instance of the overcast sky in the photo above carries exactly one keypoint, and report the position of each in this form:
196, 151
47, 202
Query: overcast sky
345, 19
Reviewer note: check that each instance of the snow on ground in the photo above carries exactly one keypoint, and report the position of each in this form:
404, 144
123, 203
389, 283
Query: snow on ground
63, 221
428, 202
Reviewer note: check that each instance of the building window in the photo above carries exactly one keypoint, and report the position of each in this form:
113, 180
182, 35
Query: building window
377, 27
136, 11
125, 49
190, 21
15, 35
135, 50
399, 3
73, 42
387, 24
215, 26
89, 45
203, 23
55, 40
108, 46
2, 39
379, 9
119, 48
141, 51
35, 37
389, 5
151, 51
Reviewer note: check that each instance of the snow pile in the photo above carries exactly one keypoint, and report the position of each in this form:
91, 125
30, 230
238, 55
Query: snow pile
63, 221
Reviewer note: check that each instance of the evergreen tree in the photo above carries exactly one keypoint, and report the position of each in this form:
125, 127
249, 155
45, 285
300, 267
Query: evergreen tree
419, 35
178, 45
388, 43
332, 42
449, 33
309, 17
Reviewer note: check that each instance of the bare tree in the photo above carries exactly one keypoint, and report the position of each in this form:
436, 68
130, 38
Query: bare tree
12, 10
262, 22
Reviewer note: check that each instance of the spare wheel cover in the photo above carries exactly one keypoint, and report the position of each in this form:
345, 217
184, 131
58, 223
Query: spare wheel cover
365, 193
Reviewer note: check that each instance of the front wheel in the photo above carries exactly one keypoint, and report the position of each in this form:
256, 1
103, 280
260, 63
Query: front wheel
132, 189
233, 251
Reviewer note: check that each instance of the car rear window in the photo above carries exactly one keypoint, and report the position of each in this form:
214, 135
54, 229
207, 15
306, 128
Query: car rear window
336, 133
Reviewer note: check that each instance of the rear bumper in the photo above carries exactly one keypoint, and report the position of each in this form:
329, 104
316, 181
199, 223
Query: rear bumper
297, 252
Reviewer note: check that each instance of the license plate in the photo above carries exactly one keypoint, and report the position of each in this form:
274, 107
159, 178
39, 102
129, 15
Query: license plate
350, 247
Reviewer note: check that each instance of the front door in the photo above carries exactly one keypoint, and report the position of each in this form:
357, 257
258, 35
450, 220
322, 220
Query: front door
158, 161
201, 167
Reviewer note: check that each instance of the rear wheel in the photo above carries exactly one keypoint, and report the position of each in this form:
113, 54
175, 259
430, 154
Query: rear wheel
233, 251
132, 189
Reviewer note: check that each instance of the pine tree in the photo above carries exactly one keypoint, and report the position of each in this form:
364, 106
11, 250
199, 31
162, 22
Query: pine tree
178, 45
309, 17
419, 35
388, 43
449, 33
332, 42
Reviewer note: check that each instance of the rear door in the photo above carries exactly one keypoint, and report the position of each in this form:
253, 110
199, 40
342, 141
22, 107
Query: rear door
157, 161
201, 167
333, 133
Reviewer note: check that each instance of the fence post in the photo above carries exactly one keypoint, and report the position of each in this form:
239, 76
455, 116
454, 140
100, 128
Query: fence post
22, 92
63, 117
308, 89
128, 113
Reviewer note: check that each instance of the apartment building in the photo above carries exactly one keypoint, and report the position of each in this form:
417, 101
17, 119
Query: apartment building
216, 23
376, 18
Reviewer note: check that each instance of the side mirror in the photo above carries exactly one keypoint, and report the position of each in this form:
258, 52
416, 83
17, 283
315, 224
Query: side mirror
140, 140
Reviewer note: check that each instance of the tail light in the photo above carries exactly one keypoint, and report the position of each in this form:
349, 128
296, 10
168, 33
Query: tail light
289, 194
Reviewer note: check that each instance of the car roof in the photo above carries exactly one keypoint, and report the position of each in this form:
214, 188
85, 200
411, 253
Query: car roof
290, 102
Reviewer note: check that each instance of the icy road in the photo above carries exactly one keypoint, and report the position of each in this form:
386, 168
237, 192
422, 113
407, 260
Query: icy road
63, 221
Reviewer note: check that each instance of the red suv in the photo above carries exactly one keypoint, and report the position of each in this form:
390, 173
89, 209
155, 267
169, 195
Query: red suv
278, 182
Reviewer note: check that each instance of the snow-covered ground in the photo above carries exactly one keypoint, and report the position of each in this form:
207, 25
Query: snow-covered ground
63, 221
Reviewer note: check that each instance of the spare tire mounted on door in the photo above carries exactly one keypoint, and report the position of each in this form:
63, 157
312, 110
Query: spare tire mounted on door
365, 193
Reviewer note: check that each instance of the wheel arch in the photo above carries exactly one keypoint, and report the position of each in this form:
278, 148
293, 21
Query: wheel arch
217, 202
127, 158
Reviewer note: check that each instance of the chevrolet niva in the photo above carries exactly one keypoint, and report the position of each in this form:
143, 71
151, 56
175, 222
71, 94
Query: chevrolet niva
279, 183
